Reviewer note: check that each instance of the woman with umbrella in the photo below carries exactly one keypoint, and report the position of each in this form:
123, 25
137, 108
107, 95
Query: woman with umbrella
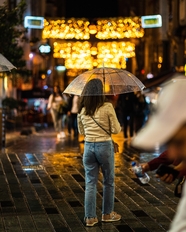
95, 118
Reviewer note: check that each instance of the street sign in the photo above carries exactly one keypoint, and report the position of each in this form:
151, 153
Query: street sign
151, 21
34, 22
45, 48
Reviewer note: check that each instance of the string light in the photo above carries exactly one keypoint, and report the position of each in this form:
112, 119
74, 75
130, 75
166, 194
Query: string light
82, 55
119, 28
85, 55
66, 29
80, 29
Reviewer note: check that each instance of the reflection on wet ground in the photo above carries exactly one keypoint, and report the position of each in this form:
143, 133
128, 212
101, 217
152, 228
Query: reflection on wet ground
42, 188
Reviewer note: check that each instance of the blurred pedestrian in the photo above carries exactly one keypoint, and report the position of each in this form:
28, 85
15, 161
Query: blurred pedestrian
126, 102
72, 113
55, 105
65, 118
98, 151
140, 110
168, 126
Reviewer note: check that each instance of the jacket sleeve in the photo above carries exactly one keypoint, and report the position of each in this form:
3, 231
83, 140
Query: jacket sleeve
161, 159
115, 126
80, 125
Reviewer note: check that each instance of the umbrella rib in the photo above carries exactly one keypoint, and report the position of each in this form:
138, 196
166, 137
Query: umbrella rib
111, 79
135, 81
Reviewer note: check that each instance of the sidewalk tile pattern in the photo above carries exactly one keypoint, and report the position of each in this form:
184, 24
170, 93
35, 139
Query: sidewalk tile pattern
42, 189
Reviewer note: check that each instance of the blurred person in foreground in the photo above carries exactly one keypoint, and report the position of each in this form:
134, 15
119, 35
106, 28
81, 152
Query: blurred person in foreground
98, 150
167, 126
167, 159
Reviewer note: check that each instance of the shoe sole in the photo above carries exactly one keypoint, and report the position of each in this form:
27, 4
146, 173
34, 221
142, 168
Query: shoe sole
111, 220
89, 225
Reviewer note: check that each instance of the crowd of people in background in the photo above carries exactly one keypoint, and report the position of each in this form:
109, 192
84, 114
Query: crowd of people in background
131, 109
63, 109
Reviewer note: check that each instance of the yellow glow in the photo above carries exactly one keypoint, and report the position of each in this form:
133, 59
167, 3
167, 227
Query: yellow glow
85, 55
160, 59
5, 82
107, 88
92, 29
79, 54
43, 76
119, 28
93, 51
80, 29
66, 29
159, 66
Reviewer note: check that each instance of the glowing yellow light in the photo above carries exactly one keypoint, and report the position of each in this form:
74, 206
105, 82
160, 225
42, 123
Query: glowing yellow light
93, 51
81, 55
160, 59
111, 28
92, 29
159, 66
43, 76
107, 88
6, 82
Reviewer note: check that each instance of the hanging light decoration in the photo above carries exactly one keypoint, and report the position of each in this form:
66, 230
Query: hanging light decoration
80, 29
82, 55
86, 55
66, 29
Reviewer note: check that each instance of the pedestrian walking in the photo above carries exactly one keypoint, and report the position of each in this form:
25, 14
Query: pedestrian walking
126, 103
55, 105
140, 109
72, 114
98, 151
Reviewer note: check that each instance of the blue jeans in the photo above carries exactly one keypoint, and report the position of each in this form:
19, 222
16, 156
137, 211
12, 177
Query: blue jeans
99, 154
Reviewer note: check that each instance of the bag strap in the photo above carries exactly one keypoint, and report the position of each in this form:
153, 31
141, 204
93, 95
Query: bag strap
101, 126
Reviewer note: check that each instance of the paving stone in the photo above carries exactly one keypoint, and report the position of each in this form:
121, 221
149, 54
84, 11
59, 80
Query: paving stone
11, 223
50, 196
27, 222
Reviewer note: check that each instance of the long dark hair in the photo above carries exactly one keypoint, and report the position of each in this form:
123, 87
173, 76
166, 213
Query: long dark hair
90, 100
58, 91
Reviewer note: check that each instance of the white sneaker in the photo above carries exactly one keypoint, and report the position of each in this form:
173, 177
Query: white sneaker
62, 134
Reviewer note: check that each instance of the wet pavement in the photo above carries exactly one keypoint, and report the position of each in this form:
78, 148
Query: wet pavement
42, 188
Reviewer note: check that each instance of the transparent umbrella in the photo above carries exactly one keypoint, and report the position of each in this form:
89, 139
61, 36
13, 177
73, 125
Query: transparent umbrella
5, 65
115, 81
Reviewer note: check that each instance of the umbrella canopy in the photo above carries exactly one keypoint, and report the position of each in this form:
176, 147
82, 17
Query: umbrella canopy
115, 81
5, 65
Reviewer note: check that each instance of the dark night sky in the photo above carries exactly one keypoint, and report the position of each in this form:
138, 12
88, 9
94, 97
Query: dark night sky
91, 9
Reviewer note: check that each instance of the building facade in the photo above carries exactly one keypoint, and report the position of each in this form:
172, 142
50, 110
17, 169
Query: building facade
154, 51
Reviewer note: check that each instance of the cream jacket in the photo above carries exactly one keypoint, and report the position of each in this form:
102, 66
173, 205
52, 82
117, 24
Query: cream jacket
106, 117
